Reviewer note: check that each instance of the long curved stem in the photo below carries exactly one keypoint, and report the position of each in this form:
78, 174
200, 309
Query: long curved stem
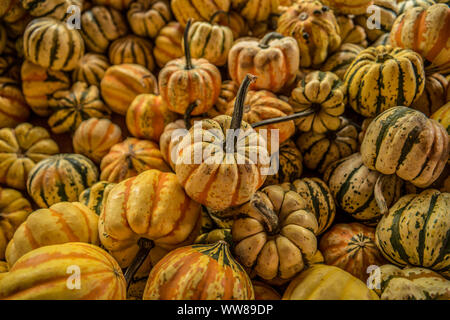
187, 49
283, 119
218, 12
269, 216
378, 193
264, 43
145, 246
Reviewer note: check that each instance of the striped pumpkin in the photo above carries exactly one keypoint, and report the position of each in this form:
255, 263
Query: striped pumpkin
61, 223
318, 198
210, 41
147, 117
39, 84
90, 69
416, 231
322, 282
442, 115
116, 4
129, 158
386, 13
228, 91
13, 107
61, 177
321, 95
200, 10
356, 7
152, 205
147, 18
14, 209
340, 61
352, 248
405, 142
233, 20
384, 77
100, 26
274, 234
433, 96
95, 196
290, 164
168, 43
58, 9
407, 4
20, 149
351, 32
199, 272
382, 40
94, 137
280, 55
71, 107
352, 185
101, 277
132, 49
314, 27
51, 44
426, 31
255, 10
321, 149
122, 83
411, 284
170, 139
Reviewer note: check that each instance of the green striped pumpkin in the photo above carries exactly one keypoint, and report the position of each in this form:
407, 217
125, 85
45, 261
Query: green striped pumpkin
100, 25
416, 231
384, 77
408, 4
58, 9
147, 18
94, 197
51, 44
339, 61
90, 69
319, 200
133, 50
387, 10
60, 178
352, 185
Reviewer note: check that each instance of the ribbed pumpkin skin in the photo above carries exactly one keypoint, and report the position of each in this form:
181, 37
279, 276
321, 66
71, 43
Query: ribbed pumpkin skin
317, 34
198, 10
146, 18
426, 31
264, 291
20, 149
416, 231
199, 272
274, 62
95, 196
350, 32
129, 158
322, 282
384, 77
100, 25
339, 62
279, 248
39, 84
90, 69
443, 116
58, 9
132, 49
405, 142
356, 7
13, 107
152, 205
122, 83
233, 20
290, 164
14, 209
61, 177
412, 284
40, 48
179, 87
101, 277
407, 4
71, 107
255, 10
169, 141
116, 4
228, 91
61, 223
221, 180
319, 199
147, 117
168, 43
352, 248
352, 186
211, 42
387, 11
434, 95
322, 93
94, 137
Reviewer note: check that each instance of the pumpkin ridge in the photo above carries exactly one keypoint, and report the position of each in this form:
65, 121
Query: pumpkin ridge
422, 235
345, 186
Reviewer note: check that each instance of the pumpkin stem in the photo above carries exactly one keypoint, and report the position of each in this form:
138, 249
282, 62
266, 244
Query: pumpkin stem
269, 216
264, 43
187, 115
187, 49
379, 197
219, 12
238, 113
145, 245
283, 119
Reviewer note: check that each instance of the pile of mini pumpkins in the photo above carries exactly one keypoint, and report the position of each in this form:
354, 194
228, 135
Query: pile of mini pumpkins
104, 102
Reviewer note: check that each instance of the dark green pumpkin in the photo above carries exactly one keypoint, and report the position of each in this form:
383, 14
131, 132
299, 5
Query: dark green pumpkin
95, 196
